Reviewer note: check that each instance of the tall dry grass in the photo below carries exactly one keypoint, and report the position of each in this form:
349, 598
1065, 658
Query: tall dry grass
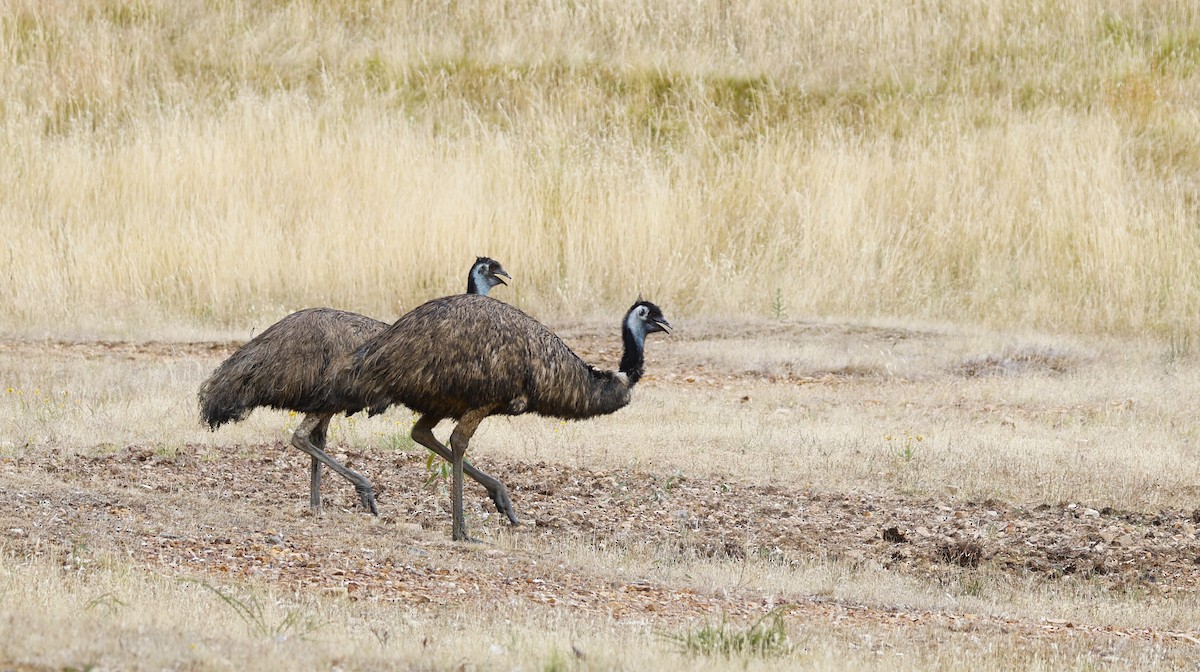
216, 165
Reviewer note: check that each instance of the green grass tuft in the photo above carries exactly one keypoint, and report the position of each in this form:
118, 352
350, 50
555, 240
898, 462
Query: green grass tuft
765, 638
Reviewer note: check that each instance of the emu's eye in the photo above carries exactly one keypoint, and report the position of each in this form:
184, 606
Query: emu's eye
642, 311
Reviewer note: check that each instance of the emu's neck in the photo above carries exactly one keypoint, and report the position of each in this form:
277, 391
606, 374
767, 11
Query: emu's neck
634, 337
476, 283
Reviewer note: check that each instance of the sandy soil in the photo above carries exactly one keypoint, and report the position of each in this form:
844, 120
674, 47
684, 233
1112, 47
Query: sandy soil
240, 510
198, 512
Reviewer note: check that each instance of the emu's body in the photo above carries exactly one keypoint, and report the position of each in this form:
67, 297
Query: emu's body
285, 366
288, 367
468, 357
459, 353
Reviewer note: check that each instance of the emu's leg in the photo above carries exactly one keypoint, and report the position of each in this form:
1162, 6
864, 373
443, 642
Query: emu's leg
314, 487
302, 439
460, 440
422, 433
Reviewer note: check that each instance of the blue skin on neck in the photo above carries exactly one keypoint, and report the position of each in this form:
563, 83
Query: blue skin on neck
637, 329
634, 337
480, 283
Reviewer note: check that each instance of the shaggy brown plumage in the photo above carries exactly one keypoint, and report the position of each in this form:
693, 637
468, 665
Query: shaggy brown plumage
285, 366
468, 357
288, 367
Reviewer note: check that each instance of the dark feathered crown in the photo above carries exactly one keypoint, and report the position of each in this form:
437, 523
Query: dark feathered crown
654, 311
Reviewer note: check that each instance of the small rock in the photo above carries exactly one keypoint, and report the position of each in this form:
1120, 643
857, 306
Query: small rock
1091, 513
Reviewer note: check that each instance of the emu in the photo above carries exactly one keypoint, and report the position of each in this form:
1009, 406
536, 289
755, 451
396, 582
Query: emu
468, 357
288, 366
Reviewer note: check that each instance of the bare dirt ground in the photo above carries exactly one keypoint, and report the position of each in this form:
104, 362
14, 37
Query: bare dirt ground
239, 510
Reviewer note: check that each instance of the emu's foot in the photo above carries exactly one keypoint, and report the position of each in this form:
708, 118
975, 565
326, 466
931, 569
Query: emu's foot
367, 495
504, 504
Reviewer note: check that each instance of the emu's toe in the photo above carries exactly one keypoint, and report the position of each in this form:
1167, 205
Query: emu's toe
504, 504
367, 495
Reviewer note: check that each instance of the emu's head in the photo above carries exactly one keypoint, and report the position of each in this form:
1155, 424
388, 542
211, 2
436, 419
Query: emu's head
645, 318
485, 274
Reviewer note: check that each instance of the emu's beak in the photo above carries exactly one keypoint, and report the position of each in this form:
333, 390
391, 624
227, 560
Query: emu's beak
501, 273
661, 324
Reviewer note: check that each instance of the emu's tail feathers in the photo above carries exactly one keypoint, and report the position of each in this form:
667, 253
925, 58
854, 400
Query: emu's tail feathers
219, 404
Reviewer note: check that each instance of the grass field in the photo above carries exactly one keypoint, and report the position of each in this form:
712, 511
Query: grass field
191, 165
933, 269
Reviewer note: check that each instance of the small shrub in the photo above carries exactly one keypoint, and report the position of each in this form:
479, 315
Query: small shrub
778, 310
437, 470
962, 552
401, 443
251, 612
766, 637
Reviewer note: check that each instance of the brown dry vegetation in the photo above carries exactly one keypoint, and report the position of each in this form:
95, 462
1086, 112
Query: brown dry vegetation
910, 497
183, 165
831, 200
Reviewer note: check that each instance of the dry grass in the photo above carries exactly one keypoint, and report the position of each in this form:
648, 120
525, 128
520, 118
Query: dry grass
194, 169
93, 612
878, 409
190, 165
851, 409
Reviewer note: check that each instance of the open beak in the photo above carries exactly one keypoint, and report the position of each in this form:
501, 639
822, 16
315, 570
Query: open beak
662, 324
500, 273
